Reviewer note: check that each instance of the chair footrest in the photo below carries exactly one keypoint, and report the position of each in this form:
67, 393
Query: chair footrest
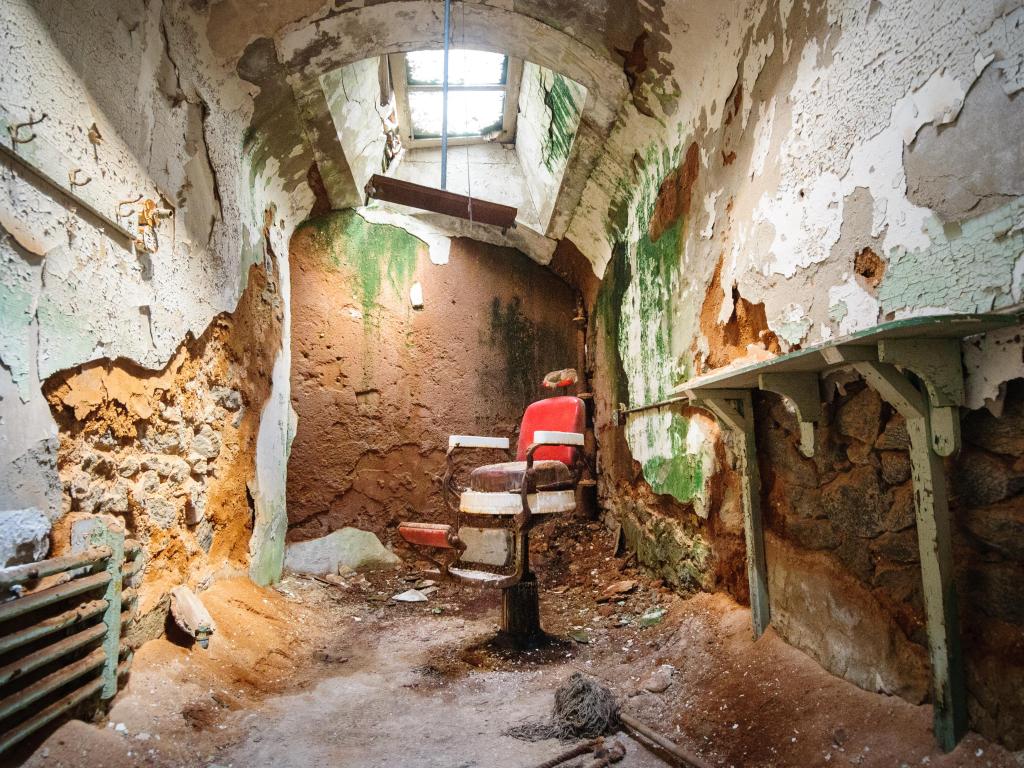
426, 534
483, 578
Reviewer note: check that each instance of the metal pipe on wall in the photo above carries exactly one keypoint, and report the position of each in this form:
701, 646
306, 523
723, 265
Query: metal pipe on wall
444, 99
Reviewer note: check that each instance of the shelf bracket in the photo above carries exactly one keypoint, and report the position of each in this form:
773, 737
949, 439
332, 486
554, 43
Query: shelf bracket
937, 363
804, 392
934, 541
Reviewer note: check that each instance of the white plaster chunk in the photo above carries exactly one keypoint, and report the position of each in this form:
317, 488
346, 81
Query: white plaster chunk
438, 244
416, 295
762, 137
24, 536
710, 201
351, 547
190, 614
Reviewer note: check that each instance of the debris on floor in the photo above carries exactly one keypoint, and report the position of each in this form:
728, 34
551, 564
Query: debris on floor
291, 663
191, 615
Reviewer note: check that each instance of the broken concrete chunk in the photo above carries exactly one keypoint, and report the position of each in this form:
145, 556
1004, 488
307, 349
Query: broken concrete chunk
651, 617
24, 536
129, 467
174, 468
660, 679
171, 414
620, 588
229, 399
114, 501
206, 444
410, 596
162, 512
191, 615
162, 442
359, 550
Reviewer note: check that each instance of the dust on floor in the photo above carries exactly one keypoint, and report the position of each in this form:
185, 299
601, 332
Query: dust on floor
314, 674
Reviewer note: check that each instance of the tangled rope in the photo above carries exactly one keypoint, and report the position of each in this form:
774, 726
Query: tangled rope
584, 709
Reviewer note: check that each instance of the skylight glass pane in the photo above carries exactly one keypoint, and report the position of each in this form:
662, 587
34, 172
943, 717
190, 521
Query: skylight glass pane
470, 113
464, 67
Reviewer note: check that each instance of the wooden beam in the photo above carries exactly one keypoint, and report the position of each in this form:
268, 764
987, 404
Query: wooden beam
440, 201
735, 411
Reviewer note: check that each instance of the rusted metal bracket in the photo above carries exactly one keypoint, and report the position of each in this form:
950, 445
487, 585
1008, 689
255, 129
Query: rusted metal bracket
73, 180
440, 201
16, 130
11, 155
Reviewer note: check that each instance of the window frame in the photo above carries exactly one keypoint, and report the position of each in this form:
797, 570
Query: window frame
401, 86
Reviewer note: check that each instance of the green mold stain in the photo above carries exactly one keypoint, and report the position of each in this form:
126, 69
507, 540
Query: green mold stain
529, 350
375, 255
656, 263
561, 100
680, 474
607, 310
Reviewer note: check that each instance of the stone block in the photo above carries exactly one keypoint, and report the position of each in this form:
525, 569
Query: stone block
1004, 434
895, 436
983, 478
860, 417
999, 526
351, 547
854, 502
206, 443
896, 467
161, 512
24, 536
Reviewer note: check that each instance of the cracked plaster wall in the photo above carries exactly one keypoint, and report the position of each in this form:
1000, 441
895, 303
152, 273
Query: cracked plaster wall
379, 385
550, 106
818, 169
174, 127
354, 97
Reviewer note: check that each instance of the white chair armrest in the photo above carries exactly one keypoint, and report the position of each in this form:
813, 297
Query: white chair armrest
474, 441
547, 437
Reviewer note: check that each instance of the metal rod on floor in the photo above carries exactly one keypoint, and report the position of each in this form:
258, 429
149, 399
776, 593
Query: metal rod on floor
685, 758
444, 100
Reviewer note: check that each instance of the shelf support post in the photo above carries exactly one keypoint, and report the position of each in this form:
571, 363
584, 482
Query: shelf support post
734, 409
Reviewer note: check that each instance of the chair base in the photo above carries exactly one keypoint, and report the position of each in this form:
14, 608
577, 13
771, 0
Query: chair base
520, 612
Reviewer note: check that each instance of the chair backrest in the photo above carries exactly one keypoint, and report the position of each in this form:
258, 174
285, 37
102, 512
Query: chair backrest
559, 414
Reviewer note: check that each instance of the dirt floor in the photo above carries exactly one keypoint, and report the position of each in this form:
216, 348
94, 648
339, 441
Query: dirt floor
316, 674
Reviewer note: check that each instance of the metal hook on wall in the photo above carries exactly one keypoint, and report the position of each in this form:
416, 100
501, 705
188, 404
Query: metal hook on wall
73, 178
15, 130
123, 203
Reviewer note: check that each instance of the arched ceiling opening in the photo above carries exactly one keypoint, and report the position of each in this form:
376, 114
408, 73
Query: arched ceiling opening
312, 48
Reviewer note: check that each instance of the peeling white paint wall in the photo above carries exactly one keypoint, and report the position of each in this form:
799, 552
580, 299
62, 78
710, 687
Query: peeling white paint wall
354, 96
169, 120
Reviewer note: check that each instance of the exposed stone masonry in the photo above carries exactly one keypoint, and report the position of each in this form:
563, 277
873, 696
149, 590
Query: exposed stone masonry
172, 451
